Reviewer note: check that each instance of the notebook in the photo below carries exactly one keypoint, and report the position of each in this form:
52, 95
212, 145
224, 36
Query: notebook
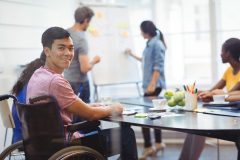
223, 105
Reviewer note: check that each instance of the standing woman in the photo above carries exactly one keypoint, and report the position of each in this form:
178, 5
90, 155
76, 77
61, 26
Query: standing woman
153, 77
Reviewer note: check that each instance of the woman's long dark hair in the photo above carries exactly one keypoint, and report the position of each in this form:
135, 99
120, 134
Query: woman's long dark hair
149, 27
27, 73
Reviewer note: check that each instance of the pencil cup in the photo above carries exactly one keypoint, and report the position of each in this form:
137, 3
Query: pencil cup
191, 101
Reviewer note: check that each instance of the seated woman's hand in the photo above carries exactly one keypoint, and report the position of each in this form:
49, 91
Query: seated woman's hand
232, 98
217, 92
204, 94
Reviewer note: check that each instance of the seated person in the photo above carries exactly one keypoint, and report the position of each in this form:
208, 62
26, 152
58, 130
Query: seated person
19, 90
49, 80
230, 80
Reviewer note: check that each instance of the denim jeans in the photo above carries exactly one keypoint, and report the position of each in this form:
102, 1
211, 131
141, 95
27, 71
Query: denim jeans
83, 92
81, 89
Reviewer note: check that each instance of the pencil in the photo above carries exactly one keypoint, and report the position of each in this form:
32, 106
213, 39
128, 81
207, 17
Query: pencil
188, 89
185, 89
193, 86
196, 91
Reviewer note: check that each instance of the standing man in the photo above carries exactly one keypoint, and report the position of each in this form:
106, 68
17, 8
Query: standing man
76, 74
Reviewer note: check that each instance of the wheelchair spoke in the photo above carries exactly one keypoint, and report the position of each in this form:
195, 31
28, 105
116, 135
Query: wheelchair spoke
12, 152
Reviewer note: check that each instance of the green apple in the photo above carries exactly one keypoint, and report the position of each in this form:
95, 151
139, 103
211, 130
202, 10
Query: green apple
171, 102
181, 103
178, 96
168, 94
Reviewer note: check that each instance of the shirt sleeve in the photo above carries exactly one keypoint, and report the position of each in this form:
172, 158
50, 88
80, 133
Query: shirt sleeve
225, 75
62, 91
81, 47
158, 57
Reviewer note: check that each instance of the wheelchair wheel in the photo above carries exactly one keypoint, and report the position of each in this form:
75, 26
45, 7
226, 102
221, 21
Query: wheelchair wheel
77, 153
13, 152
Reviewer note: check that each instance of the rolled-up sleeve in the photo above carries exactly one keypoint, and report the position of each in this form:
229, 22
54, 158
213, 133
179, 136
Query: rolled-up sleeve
158, 57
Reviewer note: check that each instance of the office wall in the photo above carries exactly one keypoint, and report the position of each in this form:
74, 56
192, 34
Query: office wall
21, 25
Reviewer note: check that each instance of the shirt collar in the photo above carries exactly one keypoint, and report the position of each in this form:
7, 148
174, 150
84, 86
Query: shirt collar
151, 41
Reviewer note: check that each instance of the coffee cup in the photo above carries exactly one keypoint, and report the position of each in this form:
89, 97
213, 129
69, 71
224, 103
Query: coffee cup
219, 98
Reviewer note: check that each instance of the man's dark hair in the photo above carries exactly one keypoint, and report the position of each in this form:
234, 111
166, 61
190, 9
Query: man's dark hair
232, 45
83, 13
52, 34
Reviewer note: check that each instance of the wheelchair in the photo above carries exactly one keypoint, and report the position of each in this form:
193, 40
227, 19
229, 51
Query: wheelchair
44, 134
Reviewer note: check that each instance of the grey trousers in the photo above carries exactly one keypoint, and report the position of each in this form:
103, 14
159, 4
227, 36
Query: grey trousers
192, 147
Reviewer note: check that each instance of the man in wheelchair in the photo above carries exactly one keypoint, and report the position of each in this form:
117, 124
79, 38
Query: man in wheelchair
48, 80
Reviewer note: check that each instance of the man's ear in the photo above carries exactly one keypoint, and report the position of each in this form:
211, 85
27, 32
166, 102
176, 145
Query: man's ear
46, 51
86, 20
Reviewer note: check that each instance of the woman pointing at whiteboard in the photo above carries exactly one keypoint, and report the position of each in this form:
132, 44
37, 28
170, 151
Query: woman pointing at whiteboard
153, 77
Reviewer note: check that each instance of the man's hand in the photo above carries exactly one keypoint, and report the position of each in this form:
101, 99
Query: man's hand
117, 108
96, 104
96, 59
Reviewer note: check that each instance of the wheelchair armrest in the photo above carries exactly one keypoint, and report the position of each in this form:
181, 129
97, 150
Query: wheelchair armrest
7, 96
84, 126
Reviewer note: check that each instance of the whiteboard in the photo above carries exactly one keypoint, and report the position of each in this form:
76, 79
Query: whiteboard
108, 36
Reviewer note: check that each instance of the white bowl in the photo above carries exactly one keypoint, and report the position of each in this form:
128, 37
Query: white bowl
159, 103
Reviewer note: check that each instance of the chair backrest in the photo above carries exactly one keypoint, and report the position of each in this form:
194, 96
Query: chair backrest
6, 115
42, 127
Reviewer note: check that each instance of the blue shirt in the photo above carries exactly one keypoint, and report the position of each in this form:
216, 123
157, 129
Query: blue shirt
17, 131
153, 59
